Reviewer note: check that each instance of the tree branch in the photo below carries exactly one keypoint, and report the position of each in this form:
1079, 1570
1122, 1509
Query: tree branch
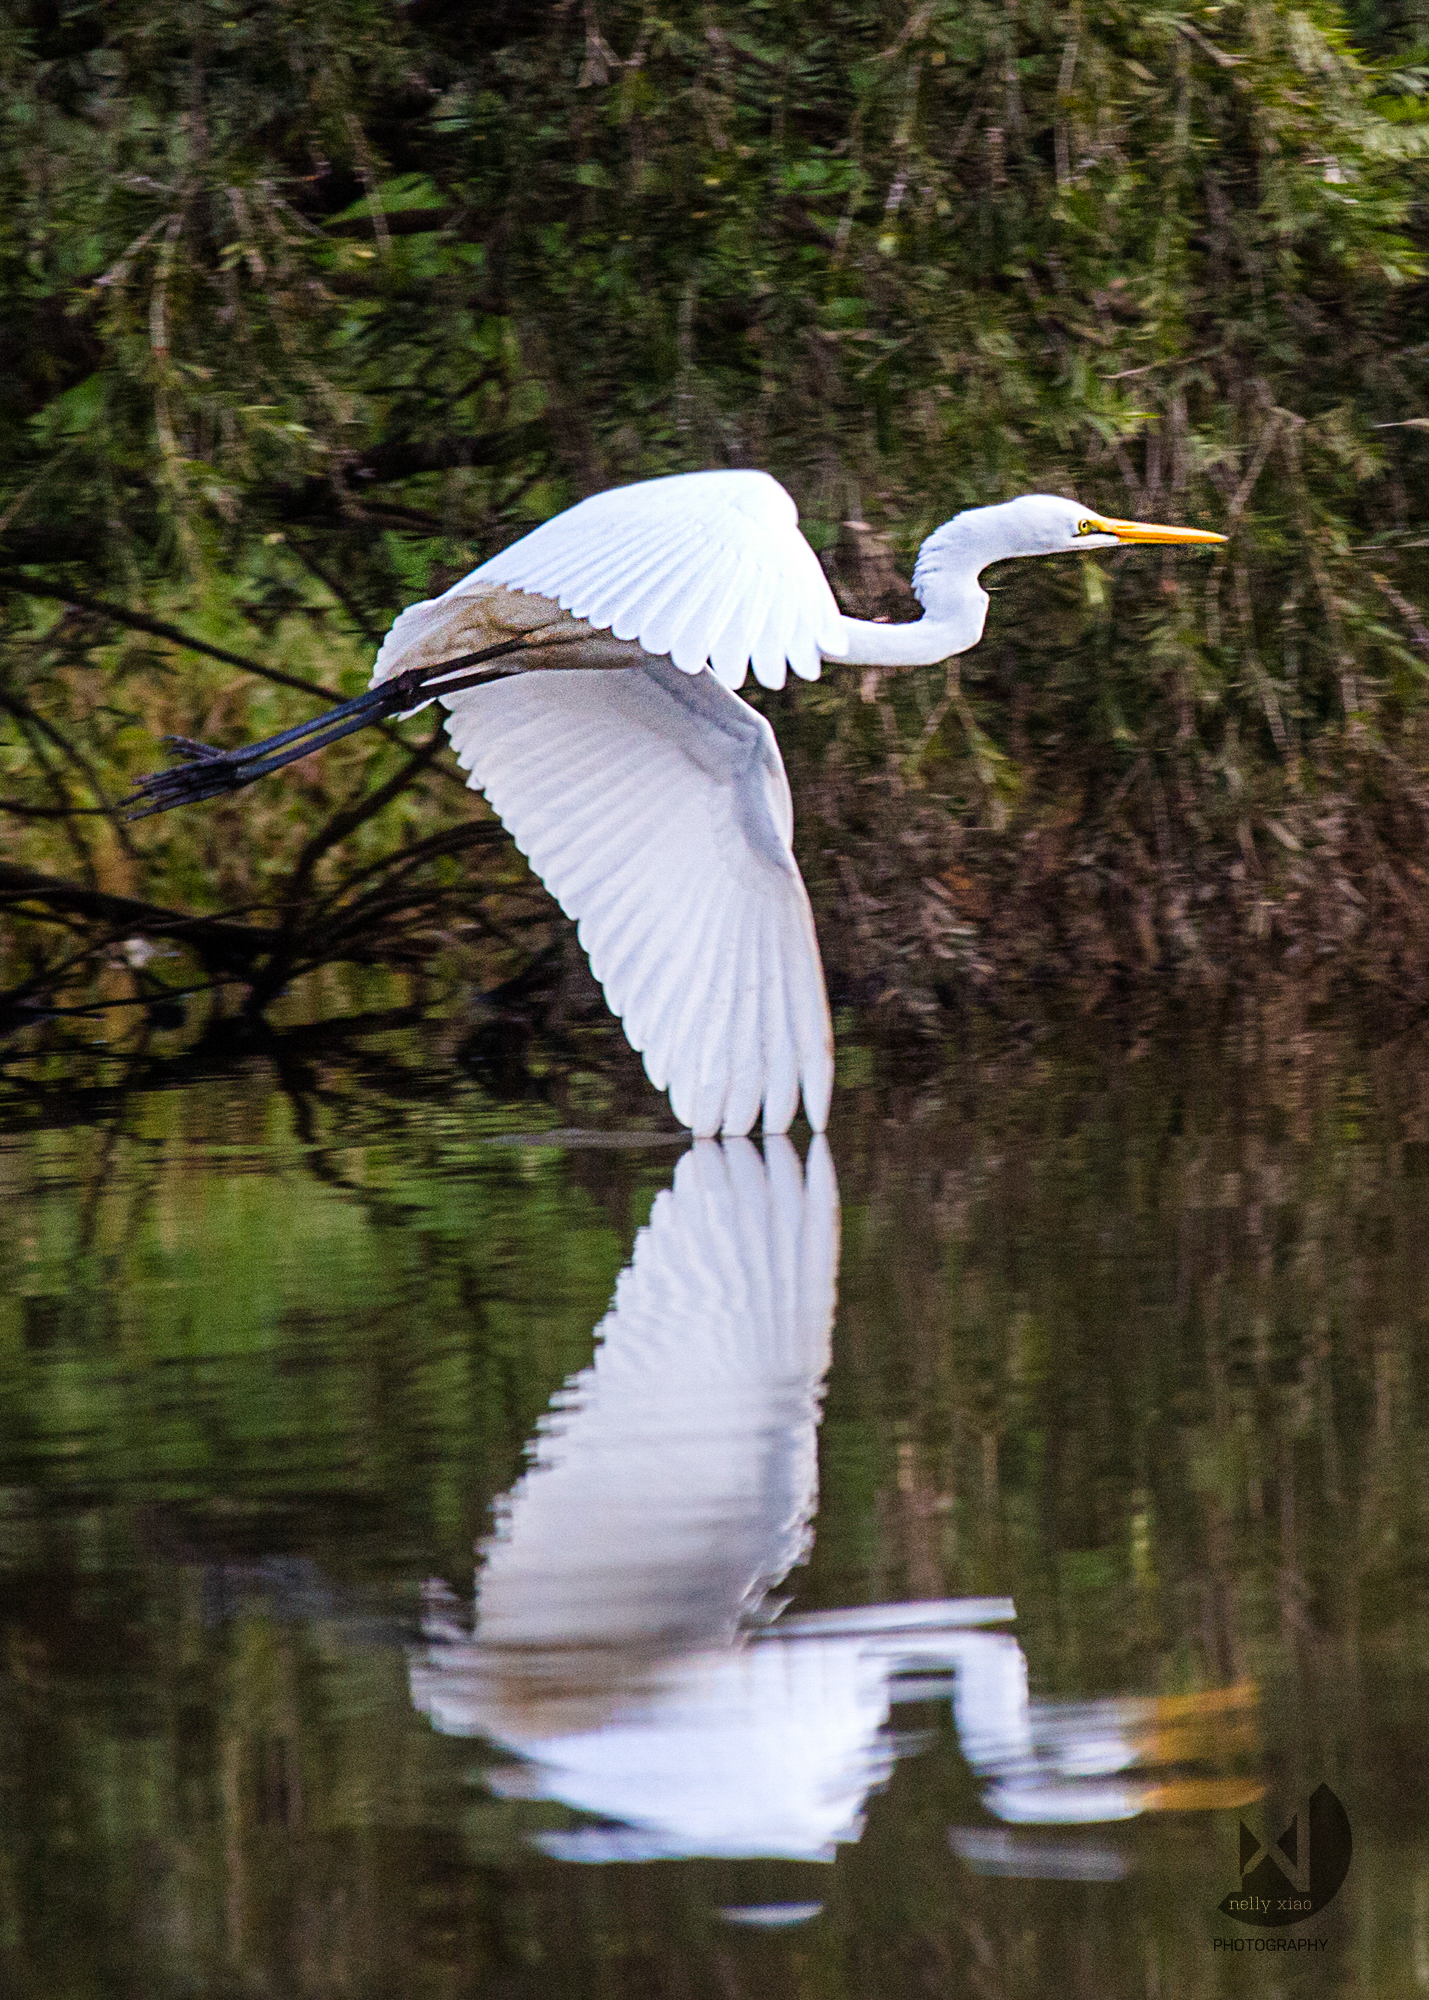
157, 628
405, 458
219, 941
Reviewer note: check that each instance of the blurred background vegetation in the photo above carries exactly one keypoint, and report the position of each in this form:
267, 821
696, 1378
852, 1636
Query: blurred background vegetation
308, 305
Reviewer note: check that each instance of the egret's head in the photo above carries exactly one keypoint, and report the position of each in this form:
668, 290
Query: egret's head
1058, 525
1035, 524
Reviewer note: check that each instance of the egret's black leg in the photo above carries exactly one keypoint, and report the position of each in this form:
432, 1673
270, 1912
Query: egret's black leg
205, 772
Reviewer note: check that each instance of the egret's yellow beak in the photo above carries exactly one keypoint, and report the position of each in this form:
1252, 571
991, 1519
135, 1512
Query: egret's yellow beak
1150, 531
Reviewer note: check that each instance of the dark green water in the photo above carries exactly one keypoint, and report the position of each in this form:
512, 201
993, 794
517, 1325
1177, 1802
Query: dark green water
1136, 1338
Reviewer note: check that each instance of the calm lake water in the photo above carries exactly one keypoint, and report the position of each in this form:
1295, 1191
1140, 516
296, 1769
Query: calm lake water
446, 1552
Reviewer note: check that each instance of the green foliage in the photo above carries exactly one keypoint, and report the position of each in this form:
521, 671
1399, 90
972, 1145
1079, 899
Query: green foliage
316, 1308
302, 309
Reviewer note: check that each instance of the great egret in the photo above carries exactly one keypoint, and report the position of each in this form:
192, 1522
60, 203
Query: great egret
651, 801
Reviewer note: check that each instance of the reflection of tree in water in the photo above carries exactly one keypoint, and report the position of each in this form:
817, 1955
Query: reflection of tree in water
1138, 1344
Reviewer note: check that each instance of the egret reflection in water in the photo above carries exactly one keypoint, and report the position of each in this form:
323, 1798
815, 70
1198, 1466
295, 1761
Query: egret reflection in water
626, 1649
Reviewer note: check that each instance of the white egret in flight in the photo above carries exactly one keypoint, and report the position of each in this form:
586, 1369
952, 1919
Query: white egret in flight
651, 800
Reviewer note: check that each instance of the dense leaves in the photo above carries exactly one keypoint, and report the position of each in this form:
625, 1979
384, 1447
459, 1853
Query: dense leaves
303, 308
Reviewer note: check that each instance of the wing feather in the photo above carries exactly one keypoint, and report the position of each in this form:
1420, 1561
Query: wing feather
627, 565
663, 560
708, 610
639, 940
730, 653
728, 615
581, 773
657, 985
732, 1076
612, 861
654, 806
717, 1053
659, 1000
670, 611
749, 1074
590, 569
619, 930
781, 1093
653, 574
808, 1029
685, 1017
805, 657
770, 646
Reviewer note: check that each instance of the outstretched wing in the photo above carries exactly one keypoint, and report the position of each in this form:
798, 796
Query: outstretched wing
655, 808
705, 567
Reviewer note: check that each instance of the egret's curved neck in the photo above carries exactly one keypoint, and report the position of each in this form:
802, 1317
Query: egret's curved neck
946, 580
917, 643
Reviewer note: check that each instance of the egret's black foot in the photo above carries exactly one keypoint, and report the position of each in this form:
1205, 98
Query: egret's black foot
203, 775
194, 752
205, 772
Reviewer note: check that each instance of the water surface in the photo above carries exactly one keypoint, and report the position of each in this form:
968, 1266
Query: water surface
440, 1554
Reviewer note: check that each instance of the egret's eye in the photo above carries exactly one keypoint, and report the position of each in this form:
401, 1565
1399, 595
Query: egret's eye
1088, 527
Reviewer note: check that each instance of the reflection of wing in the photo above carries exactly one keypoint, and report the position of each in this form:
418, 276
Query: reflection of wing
655, 808
674, 1480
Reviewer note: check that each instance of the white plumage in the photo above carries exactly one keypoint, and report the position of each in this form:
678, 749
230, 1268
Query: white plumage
655, 809
649, 798
707, 567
